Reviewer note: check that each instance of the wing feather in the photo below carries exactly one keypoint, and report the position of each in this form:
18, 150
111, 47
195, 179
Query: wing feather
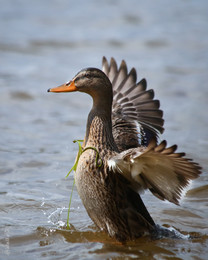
134, 106
159, 169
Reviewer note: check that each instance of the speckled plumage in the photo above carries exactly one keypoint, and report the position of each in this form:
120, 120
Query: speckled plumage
110, 203
124, 116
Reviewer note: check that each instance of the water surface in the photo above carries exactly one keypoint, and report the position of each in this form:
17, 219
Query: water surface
43, 44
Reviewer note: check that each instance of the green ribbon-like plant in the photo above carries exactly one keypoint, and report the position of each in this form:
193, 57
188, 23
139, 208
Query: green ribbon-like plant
74, 168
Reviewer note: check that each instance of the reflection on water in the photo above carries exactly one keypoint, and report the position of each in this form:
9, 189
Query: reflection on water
43, 44
97, 244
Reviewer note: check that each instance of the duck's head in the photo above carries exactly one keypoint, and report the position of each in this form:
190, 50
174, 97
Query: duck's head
91, 81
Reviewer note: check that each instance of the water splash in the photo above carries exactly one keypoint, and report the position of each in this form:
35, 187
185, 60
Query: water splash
169, 232
56, 216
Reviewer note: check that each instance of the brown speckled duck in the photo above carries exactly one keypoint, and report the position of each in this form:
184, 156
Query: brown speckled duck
122, 127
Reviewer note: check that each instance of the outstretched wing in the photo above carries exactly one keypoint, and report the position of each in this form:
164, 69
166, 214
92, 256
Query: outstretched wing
161, 170
133, 107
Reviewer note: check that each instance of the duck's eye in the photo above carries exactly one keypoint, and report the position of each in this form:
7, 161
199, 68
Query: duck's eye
88, 75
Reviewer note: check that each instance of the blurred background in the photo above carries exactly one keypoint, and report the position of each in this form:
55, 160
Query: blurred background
44, 44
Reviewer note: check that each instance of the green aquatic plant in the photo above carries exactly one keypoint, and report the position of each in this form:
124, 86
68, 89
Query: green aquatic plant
99, 163
74, 167
70, 200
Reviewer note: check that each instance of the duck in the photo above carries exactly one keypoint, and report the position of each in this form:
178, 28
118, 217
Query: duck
122, 154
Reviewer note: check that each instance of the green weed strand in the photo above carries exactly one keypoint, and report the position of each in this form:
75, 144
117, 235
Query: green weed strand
74, 168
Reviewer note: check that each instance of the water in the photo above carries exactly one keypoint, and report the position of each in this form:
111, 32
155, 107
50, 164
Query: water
43, 44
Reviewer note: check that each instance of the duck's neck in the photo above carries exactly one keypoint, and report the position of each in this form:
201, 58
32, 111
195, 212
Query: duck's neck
99, 129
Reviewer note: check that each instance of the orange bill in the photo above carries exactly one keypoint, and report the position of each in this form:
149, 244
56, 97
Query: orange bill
66, 87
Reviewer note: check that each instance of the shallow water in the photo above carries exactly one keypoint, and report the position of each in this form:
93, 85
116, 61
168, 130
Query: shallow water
43, 44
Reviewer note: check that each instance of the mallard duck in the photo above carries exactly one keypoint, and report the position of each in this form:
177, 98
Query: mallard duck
122, 128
